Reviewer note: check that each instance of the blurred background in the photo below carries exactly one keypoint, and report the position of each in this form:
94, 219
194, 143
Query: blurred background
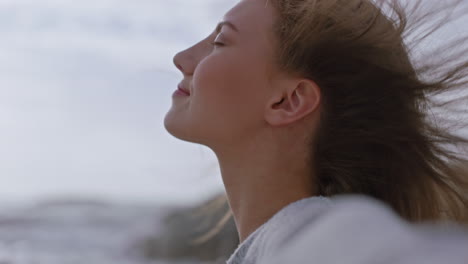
84, 89
86, 166
88, 173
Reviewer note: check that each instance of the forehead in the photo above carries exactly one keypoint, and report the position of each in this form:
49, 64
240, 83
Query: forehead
252, 17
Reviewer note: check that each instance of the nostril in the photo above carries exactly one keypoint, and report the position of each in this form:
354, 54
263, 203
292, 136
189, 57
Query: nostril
176, 61
179, 67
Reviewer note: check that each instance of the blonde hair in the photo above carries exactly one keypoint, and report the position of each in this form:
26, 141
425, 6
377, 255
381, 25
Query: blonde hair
377, 136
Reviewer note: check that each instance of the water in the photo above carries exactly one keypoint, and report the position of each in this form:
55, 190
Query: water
78, 232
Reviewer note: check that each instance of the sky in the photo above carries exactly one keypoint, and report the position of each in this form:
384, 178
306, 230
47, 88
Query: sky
84, 87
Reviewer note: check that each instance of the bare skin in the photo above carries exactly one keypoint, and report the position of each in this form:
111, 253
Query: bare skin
254, 117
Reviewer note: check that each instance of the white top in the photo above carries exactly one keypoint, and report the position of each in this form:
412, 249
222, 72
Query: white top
350, 230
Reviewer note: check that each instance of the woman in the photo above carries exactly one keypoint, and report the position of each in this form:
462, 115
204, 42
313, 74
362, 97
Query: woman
306, 99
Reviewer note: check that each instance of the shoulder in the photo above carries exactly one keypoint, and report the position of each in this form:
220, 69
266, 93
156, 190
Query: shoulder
279, 230
288, 223
356, 229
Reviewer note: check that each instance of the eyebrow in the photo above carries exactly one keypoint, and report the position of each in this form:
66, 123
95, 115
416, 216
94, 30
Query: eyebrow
227, 23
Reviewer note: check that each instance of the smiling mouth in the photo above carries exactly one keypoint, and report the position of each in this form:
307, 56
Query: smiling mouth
183, 90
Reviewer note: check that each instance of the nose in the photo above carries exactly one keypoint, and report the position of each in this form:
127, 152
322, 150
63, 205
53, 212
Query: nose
182, 60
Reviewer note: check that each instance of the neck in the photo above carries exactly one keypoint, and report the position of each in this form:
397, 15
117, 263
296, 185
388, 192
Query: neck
263, 181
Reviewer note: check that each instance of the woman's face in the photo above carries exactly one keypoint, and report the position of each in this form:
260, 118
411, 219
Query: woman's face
228, 82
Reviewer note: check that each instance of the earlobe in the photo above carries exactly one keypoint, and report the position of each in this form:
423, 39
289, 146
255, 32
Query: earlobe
294, 104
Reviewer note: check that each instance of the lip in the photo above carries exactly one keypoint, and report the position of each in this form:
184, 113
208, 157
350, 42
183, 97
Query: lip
183, 90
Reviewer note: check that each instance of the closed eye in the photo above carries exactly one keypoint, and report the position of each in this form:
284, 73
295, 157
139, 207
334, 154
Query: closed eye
215, 43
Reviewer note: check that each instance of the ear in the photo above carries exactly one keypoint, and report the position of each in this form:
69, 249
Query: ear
294, 100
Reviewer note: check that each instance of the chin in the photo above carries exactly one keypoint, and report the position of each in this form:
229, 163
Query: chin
172, 126
177, 128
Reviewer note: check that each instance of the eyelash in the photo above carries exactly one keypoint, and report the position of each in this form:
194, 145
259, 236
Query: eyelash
215, 43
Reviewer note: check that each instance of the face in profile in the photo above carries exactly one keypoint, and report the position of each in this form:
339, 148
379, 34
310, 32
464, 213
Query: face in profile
227, 75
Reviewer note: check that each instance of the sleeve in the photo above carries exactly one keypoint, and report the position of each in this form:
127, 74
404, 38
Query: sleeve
360, 230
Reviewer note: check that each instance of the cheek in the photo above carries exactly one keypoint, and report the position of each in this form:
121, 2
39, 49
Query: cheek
227, 88
220, 77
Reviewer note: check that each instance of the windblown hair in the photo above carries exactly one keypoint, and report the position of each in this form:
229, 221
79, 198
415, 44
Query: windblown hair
377, 134
387, 108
